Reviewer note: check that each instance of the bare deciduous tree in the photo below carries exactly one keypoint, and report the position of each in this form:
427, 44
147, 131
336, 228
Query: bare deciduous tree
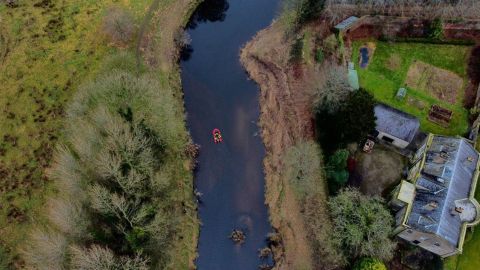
119, 25
47, 250
332, 89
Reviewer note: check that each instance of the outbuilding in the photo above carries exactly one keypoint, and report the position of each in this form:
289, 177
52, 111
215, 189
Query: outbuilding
394, 126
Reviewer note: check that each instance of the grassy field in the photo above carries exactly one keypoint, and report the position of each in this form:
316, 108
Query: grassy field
47, 49
388, 69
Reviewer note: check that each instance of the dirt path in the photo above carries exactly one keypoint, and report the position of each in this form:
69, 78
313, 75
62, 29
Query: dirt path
285, 120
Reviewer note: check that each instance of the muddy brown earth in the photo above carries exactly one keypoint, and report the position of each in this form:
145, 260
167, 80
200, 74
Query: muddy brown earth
286, 119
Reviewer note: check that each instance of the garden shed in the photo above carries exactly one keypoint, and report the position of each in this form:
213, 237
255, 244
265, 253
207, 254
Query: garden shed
353, 77
346, 24
395, 127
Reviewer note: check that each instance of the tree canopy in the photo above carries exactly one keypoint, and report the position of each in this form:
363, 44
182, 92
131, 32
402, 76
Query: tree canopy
361, 225
369, 264
353, 121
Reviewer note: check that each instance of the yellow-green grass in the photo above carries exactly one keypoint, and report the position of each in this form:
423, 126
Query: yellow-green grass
383, 81
46, 51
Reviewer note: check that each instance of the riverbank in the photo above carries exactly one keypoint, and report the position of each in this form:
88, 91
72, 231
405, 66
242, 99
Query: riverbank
161, 49
286, 119
47, 50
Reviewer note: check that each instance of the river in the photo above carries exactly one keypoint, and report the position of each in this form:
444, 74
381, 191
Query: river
218, 94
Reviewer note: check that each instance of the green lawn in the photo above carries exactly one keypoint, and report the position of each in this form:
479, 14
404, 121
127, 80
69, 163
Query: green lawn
383, 82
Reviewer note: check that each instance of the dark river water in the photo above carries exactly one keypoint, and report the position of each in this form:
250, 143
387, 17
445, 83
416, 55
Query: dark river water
218, 94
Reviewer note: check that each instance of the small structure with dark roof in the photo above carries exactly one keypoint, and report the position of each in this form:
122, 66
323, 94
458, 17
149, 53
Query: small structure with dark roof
346, 24
436, 213
395, 127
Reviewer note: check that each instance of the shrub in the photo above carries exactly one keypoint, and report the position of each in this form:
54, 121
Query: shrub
296, 52
330, 44
369, 264
319, 56
361, 225
118, 25
435, 29
336, 167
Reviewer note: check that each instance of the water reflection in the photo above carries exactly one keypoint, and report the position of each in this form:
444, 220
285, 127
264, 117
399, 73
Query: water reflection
209, 11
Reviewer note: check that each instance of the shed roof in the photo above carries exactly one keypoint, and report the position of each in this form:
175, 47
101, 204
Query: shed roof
446, 177
346, 23
396, 123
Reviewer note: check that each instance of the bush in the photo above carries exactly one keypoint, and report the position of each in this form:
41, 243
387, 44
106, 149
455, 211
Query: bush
337, 167
435, 29
369, 264
296, 52
319, 56
362, 225
118, 25
330, 44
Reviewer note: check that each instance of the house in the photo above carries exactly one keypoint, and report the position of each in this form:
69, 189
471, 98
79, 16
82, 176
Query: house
435, 204
395, 127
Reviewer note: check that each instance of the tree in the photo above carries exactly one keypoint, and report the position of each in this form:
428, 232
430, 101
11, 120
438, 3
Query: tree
99, 258
369, 264
357, 118
336, 167
361, 225
333, 92
310, 10
304, 164
297, 13
351, 123
119, 25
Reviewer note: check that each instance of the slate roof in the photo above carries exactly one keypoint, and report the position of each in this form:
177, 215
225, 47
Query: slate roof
396, 123
446, 177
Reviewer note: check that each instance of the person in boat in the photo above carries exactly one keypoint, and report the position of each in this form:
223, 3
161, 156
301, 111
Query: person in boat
217, 136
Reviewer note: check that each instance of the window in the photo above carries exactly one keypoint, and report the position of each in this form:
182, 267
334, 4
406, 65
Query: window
388, 139
437, 244
416, 242
409, 231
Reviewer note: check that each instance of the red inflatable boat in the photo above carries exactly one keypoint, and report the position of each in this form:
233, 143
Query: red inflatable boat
217, 136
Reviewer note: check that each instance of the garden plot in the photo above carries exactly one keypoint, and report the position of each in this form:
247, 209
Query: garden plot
433, 74
440, 83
